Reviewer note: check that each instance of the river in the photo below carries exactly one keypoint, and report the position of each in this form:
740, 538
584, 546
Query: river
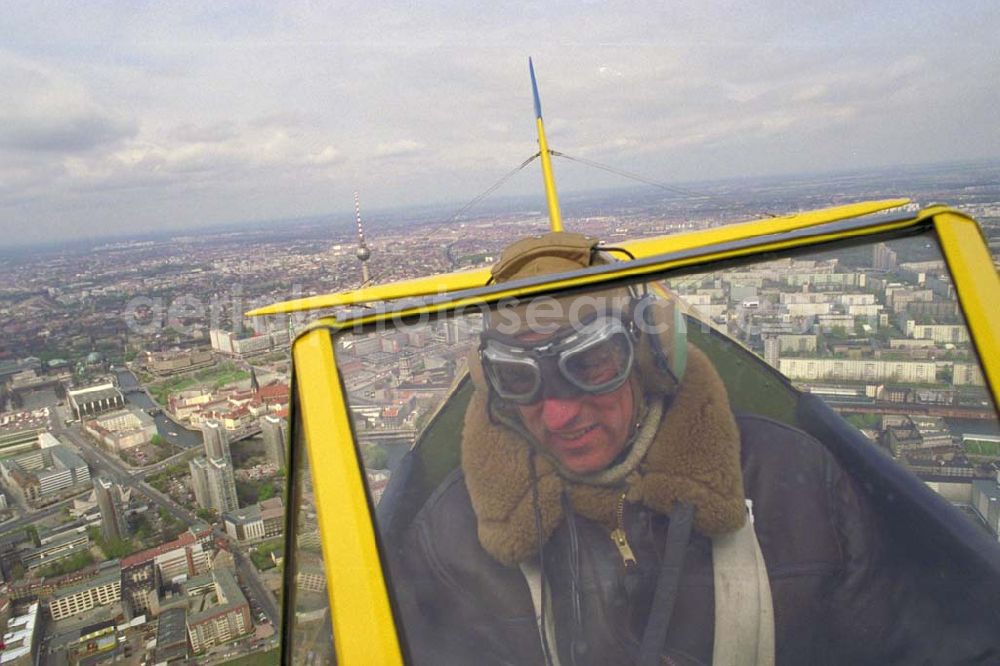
170, 431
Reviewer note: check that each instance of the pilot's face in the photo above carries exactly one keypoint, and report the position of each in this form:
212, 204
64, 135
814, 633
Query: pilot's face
584, 432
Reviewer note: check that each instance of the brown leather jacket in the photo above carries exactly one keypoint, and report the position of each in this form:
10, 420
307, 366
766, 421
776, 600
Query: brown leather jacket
838, 596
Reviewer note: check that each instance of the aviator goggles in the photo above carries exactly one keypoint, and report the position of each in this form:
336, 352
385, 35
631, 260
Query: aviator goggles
595, 358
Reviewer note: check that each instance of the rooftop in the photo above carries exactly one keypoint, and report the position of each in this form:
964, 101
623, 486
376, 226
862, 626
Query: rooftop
244, 516
96, 627
988, 487
185, 539
18, 641
171, 626
95, 393
108, 573
227, 596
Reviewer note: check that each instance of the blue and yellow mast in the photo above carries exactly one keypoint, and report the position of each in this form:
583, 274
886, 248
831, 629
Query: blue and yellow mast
555, 218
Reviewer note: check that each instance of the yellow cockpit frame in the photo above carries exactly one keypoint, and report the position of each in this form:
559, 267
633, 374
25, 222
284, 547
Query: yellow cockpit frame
363, 627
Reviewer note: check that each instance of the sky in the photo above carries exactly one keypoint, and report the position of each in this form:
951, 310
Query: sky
129, 117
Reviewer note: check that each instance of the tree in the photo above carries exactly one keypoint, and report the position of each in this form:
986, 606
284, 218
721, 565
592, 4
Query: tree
116, 548
206, 514
375, 457
156, 440
266, 492
143, 530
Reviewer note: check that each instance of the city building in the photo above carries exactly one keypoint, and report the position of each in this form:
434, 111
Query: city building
883, 258
171, 635
96, 644
191, 560
986, 503
861, 370
174, 362
222, 486
103, 589
121, 429
199, 482
58, 548
214, 484
275, 433
217, 611
967, 374
942, 333
45, 474
140, 588
20, 430
186, 555
772, 349
311, 577
229, 344
256, 522
94, 400
112, 516
21, 638
144, 572
216, 441
50, 533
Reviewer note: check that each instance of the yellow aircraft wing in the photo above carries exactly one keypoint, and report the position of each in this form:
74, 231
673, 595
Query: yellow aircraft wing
649, 247
646, 247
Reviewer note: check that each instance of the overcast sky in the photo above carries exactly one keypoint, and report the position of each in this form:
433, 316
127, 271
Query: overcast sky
134, 116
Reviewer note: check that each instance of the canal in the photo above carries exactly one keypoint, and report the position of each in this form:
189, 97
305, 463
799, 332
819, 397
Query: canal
170, 431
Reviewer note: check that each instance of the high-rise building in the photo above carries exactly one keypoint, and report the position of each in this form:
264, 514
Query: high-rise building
199, 482
451, 332
222, 486
772, 350
214, 484
112, 516
883, 258
216, 441
274, 431
140, 587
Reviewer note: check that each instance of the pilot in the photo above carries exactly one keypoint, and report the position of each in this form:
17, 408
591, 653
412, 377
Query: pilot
611, 508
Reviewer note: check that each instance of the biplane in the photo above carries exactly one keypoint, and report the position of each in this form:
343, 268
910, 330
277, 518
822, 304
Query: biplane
338, 603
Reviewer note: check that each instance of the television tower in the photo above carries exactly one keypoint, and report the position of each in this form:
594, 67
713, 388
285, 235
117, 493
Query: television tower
363, 254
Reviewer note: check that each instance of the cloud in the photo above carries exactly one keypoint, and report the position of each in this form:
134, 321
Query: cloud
212, 133
47, 112
62, 133
400, 148
178, 114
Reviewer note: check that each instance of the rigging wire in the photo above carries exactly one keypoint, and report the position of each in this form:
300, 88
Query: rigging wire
494, 187
641, 179
629, 175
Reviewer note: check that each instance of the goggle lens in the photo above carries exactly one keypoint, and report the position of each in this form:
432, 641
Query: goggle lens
515, 379
595, 361
602, 364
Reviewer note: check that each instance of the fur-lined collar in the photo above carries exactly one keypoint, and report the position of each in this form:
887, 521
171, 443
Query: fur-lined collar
694, 458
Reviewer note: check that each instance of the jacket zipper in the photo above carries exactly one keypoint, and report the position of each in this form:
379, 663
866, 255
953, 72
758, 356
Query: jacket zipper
619, 537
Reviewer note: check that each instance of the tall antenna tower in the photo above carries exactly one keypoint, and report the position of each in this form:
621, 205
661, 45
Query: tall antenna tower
363, 254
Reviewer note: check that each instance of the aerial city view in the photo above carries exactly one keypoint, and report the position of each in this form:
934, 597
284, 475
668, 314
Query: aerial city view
144, 418
176, 169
